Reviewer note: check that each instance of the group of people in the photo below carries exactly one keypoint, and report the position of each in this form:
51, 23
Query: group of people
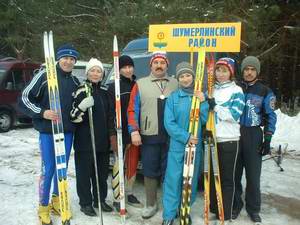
155, 116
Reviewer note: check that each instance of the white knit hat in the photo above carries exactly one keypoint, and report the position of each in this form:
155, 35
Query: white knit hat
93, 62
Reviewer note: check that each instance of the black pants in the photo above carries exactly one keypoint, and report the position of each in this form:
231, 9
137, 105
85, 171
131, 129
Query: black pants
249, 157
85, 176
227, 153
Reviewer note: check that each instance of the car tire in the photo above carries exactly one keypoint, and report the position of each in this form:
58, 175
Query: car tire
6, 121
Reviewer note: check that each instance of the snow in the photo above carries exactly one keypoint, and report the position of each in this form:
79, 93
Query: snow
287, 131
20, 165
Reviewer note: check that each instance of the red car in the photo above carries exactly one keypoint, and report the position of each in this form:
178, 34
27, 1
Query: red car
14, 76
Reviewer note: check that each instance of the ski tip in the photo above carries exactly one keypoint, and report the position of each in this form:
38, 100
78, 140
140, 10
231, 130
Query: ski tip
115, 44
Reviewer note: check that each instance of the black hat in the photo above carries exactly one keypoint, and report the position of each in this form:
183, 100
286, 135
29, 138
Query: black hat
125, 60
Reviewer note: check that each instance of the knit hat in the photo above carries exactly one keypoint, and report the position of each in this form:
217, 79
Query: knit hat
159, 54
66, 50
228, 62
251, 61
184, 67
125, 60
93, 62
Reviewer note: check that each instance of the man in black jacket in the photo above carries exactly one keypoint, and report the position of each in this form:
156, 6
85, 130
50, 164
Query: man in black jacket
34, 102
127, 81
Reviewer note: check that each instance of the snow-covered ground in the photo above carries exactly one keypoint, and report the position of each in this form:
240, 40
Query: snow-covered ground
19, 173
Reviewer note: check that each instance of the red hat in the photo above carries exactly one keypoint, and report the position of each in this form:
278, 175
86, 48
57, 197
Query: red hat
159, 54
228, 62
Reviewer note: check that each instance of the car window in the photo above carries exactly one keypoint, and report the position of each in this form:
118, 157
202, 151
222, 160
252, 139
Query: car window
14, 80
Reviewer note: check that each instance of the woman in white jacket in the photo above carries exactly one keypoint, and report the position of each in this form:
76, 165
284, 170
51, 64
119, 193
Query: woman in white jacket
228, 103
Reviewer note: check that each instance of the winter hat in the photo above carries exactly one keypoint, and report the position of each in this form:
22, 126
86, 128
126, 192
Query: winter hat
125, 60
66, 50
228, 62
251, 61
184, 67
159, 54
93, 62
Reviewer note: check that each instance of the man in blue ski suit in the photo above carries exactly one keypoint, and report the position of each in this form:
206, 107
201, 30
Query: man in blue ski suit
254, 142
34, 102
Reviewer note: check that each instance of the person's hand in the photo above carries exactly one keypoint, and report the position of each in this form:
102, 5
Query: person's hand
212, 103
200, 95
114, 144
86, 103
136, 138
50, 115
266, 146
193, 140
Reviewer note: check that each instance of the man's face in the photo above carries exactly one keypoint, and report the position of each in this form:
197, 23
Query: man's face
127, 71
66, 63
159, 67
249, 73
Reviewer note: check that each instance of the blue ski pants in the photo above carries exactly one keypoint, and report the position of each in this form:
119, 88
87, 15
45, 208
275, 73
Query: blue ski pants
172, 186
48, 168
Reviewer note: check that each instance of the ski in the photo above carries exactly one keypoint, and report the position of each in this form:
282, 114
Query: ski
91, 123
190, 151
119, 131
57, 129
212, 151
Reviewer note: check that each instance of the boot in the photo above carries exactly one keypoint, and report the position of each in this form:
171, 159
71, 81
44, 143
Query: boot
149, 211
88, 210
44, 215
55, 205
133, 201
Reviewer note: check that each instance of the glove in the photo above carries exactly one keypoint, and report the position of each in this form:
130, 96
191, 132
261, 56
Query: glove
212, 103
207, 134
86, 103
266, 146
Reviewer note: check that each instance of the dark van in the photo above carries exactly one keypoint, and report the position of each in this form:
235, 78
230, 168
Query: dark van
14, 76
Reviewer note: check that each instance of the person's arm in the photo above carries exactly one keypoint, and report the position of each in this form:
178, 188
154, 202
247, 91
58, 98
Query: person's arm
233, 111
171, 125
270, 122
29, 101
80, 104
133, 115
269, 114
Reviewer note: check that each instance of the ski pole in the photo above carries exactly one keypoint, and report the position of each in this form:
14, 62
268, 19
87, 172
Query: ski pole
91, 122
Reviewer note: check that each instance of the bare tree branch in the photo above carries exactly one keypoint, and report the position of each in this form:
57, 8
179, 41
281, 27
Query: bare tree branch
87, 7
80, 15
267, 51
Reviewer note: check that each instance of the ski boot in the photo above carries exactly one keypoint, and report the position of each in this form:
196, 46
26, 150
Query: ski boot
55, 205
44, 215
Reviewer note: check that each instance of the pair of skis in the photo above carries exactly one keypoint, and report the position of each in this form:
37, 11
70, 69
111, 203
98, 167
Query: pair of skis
190, 150
57, 129
211, 155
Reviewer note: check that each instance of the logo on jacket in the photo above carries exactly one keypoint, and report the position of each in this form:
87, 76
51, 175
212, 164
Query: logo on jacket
272, 102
